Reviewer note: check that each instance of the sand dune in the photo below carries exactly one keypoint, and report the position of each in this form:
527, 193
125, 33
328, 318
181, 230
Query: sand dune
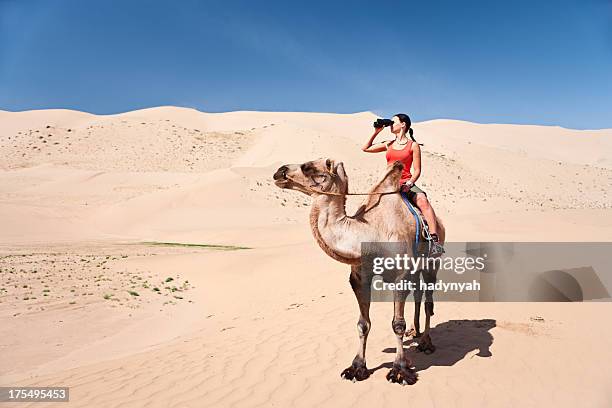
261, 316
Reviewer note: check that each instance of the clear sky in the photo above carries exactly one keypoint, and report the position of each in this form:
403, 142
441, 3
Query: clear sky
532, 62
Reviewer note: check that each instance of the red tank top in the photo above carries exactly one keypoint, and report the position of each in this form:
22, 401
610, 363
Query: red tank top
405, 156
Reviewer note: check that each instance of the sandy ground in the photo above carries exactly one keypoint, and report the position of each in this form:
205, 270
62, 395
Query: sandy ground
261, 316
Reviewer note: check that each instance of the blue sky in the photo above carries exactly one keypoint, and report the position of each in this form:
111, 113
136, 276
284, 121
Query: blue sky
532, 62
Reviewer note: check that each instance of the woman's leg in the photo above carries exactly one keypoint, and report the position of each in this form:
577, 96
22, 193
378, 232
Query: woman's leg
430, 216
435, 249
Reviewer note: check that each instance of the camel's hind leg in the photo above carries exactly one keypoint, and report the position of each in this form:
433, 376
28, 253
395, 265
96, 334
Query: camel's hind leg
425, 344
415, 330
402, 371
358, 370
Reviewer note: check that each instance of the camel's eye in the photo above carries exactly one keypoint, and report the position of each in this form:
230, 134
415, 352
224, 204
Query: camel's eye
307, 168
319, 178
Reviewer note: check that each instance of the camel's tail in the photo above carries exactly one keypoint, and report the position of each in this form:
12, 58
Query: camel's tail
441, 230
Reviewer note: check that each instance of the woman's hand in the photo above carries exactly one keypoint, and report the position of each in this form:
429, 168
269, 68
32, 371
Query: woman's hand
406, 186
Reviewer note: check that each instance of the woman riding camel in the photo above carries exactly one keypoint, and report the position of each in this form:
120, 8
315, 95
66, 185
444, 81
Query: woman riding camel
408, 152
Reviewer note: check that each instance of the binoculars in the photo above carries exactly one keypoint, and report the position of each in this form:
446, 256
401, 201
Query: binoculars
380, 123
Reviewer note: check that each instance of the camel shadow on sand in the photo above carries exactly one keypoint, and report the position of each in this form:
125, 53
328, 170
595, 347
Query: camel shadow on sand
454, 340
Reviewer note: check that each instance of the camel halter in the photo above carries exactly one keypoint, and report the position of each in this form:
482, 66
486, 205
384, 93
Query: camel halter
337, 194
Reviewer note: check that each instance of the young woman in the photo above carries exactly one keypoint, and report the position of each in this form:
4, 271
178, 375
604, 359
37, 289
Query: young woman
408, 152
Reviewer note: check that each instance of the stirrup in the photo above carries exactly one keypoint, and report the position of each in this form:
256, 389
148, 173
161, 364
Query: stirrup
435, 249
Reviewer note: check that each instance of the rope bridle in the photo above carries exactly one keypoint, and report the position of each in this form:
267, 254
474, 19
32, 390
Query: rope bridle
336, 194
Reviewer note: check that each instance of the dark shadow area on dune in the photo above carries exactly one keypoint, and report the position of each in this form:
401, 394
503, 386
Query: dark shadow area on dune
453, 340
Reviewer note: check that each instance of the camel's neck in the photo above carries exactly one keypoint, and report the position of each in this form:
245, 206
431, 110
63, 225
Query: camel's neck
335, 233
341, 236
332, 209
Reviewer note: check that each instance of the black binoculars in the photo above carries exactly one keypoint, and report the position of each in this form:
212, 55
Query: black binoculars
380, 123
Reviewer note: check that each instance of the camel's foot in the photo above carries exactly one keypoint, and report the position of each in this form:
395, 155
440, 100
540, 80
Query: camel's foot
356, 372
413, 333
425, 345
402, 375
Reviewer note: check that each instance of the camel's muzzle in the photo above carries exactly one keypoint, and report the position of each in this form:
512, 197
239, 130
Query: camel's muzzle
280, 177
281, 173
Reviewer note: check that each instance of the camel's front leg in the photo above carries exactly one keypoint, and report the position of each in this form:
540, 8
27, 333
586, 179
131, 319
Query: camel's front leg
361, 286
402, 371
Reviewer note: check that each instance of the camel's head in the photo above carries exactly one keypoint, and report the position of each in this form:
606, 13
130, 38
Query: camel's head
318, 175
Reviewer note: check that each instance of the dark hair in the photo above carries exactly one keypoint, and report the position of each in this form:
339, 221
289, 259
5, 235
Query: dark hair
406, 119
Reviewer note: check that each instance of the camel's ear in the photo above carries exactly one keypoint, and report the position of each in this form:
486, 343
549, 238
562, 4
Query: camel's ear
339, 170
330, 165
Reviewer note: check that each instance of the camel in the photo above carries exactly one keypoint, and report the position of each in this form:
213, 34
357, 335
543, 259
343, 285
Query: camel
381, 218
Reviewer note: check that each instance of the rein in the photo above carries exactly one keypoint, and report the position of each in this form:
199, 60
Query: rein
338, 194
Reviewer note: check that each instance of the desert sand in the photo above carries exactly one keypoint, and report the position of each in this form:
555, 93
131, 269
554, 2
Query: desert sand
247, 310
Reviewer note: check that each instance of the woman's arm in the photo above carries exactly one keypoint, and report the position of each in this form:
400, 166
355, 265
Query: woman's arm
379, 147
416, 163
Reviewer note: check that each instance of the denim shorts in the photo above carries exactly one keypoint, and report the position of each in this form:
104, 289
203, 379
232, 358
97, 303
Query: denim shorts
414, 190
